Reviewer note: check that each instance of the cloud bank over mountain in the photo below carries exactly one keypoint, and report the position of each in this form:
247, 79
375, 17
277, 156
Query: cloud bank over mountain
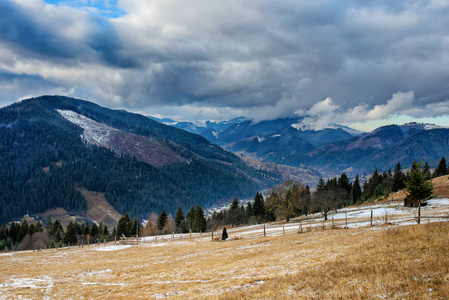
217, 60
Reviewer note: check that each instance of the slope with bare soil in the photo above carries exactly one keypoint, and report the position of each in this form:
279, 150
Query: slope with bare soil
99, 209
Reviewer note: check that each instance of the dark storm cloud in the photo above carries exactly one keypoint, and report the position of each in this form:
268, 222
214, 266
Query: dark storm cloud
262, 58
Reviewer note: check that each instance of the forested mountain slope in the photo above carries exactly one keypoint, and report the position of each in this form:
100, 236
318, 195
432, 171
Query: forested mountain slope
381, 149
140, 165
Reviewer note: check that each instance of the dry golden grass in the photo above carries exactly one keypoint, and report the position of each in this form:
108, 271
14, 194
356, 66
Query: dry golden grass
408, 262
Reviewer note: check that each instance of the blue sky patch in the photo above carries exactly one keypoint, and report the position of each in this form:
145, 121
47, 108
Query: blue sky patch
108, 9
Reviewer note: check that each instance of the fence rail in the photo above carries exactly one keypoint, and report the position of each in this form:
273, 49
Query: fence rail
300, 225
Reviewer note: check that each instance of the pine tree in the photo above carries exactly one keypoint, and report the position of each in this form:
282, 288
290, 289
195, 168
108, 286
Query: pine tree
343, 182
418, 188
190, 217
199, 221
105, 230
79, 229
307, 200
86, 229
259, 207
162, 220
441, 169
249, 210
321, 185
124, 226
356, 191
94, 231
234, 212
234, 204
398, 178
179, 218
39, 227
134, 227
57, 230
426, 171
70, 235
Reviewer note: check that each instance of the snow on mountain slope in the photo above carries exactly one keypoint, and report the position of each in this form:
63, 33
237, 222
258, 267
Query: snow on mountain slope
315, 127
94, 132
143, 148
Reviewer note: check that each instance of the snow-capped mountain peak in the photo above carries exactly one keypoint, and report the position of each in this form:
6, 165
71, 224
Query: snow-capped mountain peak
305, 126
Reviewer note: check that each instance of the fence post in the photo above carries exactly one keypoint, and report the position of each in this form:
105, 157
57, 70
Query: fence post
333, 224
371, 217
212, 233
173, 236
346, 220
190, 234
264, 232
419, 212
283, 230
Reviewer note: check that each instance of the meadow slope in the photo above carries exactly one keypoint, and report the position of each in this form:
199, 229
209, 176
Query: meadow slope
378, 262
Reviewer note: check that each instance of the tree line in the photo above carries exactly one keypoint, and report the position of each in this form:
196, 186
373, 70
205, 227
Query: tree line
283, 202
291, 199
27, 235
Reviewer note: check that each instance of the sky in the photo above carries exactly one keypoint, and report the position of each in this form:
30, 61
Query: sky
357, 63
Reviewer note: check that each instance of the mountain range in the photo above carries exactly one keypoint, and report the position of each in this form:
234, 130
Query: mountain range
55, 150
63, 154
330, 150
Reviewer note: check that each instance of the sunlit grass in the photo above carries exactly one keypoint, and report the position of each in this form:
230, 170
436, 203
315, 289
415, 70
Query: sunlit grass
407, 262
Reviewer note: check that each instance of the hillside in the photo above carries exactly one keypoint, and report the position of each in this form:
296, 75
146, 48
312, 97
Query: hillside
381, 149
50, 143
386, 260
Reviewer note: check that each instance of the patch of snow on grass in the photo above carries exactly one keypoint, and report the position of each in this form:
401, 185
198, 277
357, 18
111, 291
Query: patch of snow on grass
92, 273
32, 283
112, 248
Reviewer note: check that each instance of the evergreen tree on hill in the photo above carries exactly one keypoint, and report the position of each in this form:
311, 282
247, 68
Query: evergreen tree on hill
249, 210
258, 208
321, 185
124, 226
356, 191
234, 204
190, 217
105, 230
343, 182
418, 188
70, 235
179, 217
134, 227
162, 220
426, 171
398, 178
86, 229
94, 231
307, 195
199, 221
441, 169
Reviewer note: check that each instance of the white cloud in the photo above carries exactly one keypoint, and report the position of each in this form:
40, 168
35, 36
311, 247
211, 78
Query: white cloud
263, 59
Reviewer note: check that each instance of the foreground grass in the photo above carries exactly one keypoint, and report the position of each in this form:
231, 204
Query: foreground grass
408, 262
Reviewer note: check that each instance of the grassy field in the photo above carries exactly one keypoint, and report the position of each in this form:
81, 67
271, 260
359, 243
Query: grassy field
381, 262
